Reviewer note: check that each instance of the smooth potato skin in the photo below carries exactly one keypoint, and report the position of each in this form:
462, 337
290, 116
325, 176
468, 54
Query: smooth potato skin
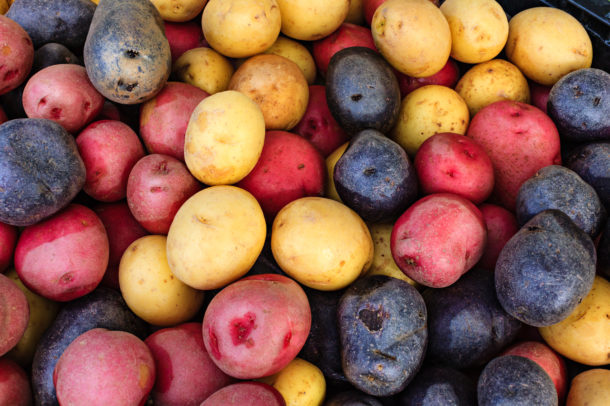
15, 314
17, 54
242, 393
590, 388
15, 387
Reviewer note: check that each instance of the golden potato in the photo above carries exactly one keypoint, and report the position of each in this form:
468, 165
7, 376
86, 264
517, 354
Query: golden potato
490, 82
4, 6
331, 161
178, 10
298, 54
479, 29
321, 243
547, 43
300, 383
427, 111
277, 85
590, 388
355, 15
241, 28
412, 35
224, 138
204, 68
312, 19
584, 336
216, 237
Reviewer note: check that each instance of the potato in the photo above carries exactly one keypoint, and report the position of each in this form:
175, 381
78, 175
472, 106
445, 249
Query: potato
183, 36
301, 383
241, 28
479, 29
313, 19
204, 68
15, 312
331, 161
383, 262
297, 53
215, 237
584, 336
321, 243
17, 54
4, 5
547, 43
427, 111
422, 26
222, 145
355, 15
8, 239
590, 388
245, 393
15, 389
492, 81
179, 10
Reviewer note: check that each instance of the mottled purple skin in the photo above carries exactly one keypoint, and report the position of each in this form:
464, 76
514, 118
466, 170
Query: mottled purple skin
592, 163
436, 386
352, 398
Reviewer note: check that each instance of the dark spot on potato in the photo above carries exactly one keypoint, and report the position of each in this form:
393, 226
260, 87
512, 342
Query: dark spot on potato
55, 113
86, 106
131, 86
369, 171
161, 168
242, 327
10, 74
384, 355
372, 319
131, 53
356, 97
577, 92
66, 278
301, 166
515, 114
596, 101
156, 189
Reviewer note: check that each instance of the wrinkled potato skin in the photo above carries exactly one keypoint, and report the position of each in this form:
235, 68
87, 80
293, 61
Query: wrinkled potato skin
179, 10
312, 19
590, 388
204, 68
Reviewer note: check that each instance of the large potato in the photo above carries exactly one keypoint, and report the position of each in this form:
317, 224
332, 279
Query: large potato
215, 237
312, 19
204, 68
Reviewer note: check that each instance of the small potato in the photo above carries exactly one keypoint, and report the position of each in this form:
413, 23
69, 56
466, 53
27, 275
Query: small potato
479, 29
179, 10
321, 243
331, 161
313, 19
301, 383
427, 111
204, 68
547, 43
383, 262
492, 81
590, 388
298, 54
241, 28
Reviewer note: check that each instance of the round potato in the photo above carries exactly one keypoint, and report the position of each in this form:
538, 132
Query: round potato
297, 53
584, 336
313, 19
383, 262
547, 43
331, 161
591, 388
224, 138
490, 82
427, 111
150, 289
204, 68
421, 25
321, 243
301, 383
241, 28
216, 237
479, 29
179, 10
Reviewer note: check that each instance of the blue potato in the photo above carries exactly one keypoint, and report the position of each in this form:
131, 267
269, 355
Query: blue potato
352, 398
53, 54
592, 163
545, 269
439, 386
511, 380
467, 326
375, 177
557, 187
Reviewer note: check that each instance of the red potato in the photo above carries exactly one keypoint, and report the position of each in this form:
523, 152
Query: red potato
520, 139
104, 367
164, 118
156, 188
109, 112
254, 327
453, 163
3, 117
289, 168
184, 36
318, 125
15, 387
501, 225
8, 239
64, 94
63, 257
14, 312
186, 375
438, 239
17, 54
447, 76
109, 150
539, 95
246, 393
122, 229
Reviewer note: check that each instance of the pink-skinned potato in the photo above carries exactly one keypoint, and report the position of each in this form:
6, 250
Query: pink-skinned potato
109, 150
8, 239
520, 139
3, 117
438, 239
183, 36
15, 389
447, 76
157, 186
246, 393
104, 367
65, 256
185, 373
254, 327
62, 93
501, 225
17, 53
15, 313
539, 95
164, 118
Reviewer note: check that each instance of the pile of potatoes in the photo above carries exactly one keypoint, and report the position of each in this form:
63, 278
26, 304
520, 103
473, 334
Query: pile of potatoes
289, 202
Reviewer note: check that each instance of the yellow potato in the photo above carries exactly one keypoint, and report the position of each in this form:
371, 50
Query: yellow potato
331, 161
178, 10
298, 54
321, 243
479, 29
412, 35
215, 237
241, 28
590, 388
355, 15
224, 138
149, 287
490, 82
427, 111
300, 383
312, 19
547, 43
4, 6
204, 68
584, 336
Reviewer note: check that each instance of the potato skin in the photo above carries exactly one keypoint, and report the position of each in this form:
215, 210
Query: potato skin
301, 383
15, 314
313, 19
591, 388
17, 54
204, 68
15, 387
